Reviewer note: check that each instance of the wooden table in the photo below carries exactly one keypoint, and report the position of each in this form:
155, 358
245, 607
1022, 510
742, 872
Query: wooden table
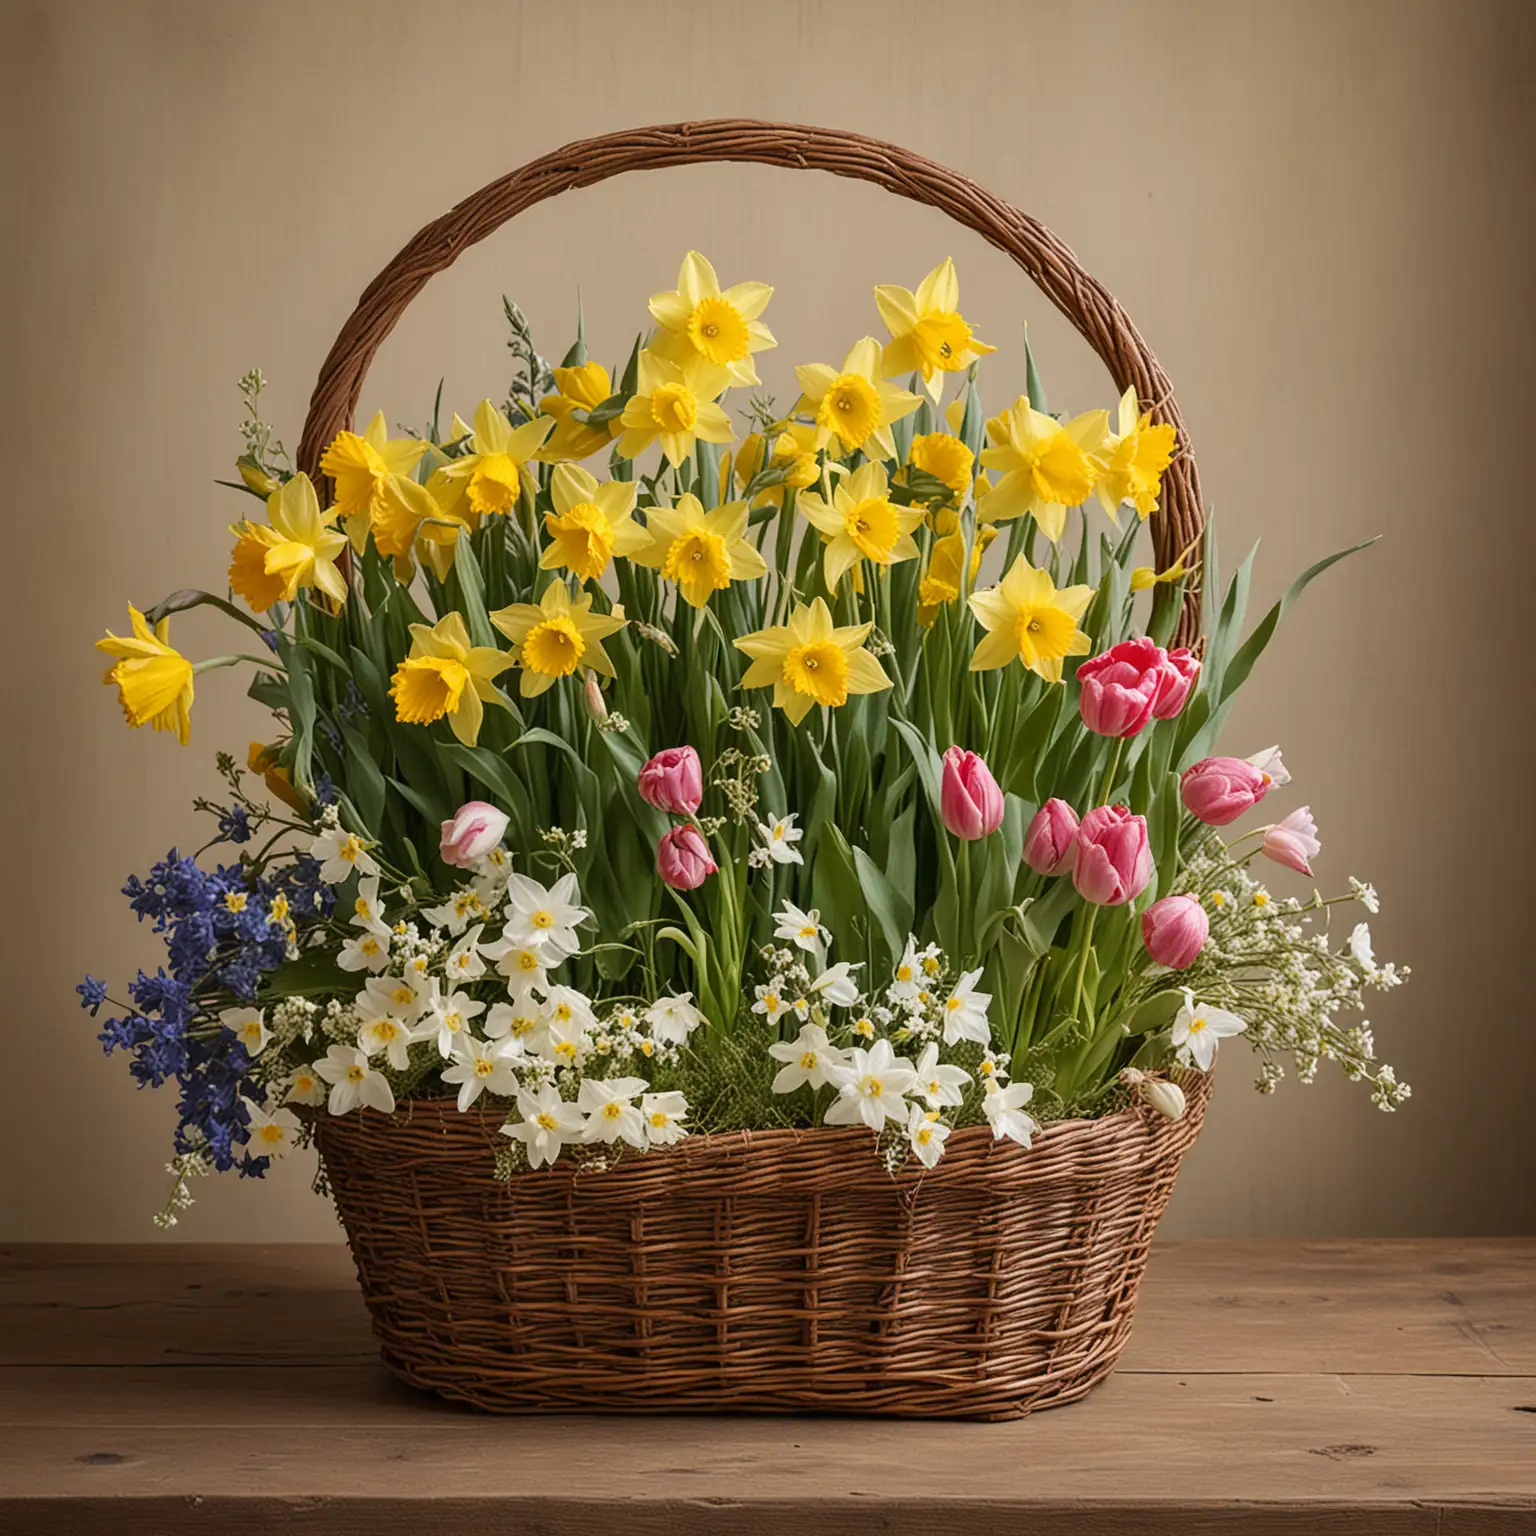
1306, 1388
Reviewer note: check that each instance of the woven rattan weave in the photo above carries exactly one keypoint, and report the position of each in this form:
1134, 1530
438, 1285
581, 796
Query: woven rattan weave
777, 1270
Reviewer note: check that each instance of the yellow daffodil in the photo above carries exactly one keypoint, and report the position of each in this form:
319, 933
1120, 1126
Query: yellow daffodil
699, 320
1047, 465
1144, 578
928, 334
487, 480
944, 457
446, 675
279, 781
361, 468
809, 661
581, 388
153, 679
862, 523
675, 402
794, 451
703, 552
553, 637
941, 581
853, 405
297, 547
591, 523
1028, 620
1132, 461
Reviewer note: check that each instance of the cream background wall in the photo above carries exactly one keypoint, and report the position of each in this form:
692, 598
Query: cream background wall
1318, 213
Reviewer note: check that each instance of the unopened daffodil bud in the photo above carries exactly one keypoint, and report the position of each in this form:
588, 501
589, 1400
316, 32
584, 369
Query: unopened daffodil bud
1166, 1097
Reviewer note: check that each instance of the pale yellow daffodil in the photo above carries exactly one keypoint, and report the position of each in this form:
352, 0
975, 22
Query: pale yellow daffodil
446, 675
703, 552
361, 468
488, 479
928, 334
582, 386
153, 679
591, 523
1028, 620
699, 319
861, 522
1132, 460
852, 404
553, 637
941, 581
1047, 465
297, 547
675, 403
810, 661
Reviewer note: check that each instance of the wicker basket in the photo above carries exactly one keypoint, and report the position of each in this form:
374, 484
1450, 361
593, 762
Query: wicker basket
778, 1270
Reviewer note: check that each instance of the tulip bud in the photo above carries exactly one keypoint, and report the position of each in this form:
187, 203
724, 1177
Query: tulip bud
1114, 858
597, 705
673, 781
1119, 688
1175, 930
682, 859
1293, 842
969, 799
1166, 1097
476, 828
1180, 670
1217, 790
1050, 845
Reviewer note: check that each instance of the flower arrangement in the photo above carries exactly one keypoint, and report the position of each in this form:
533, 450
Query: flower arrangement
839, 770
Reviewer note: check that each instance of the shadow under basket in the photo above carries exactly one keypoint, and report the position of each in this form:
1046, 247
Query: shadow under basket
755, 1272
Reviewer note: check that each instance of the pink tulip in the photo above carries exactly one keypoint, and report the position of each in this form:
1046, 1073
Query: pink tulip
476, 828
1114, 861
1180, 670
1219, 789
1119, 688
1050, 845
1293, 842
673, 781
1175, 930
682, 859
969, 799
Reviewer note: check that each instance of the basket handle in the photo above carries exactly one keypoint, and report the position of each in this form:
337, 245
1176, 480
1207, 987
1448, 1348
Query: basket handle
1051, 265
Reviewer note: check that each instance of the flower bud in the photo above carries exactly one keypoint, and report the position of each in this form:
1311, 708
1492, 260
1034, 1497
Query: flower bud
1217, 790
1050, 845
1293, 842
673, 781
682, 859
969, 799
476, 828
597, 705
1175, 930
1165, 1096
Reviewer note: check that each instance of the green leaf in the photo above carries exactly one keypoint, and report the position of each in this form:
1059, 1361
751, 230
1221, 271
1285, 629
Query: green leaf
891, 912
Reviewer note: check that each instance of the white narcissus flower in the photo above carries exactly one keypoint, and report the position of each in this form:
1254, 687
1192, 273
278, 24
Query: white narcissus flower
520, 1020
1196, 1031
368, 910
400, 996
1269, 761
546, 917
664, 1114
1004, 1109
779, 839
304, 1087
770, 1002
270, 1133
939, 1083
455, 914
524, 965
672, 1019
567, 1007
548, 1124
808, 1059
464, 962
802, 929
965, 1012
907, 980
444, 1019
249, 1026
1360, 948
365, 952
836, 984
611, 1116
481, 1066
871, 1087
354, 1083
341, 854
927, 1134
491, 877
389, 1034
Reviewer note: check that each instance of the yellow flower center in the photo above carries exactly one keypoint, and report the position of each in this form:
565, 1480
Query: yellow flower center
493, 485
426, 688
930, 966
698, 561
873, 527
250, 1033
584, 538
484, 1066
873, 1087
717, 329
542, 919
903, 973
1060, 472
369, 946
819, 670
851, 408
808, 1060
546, 1121
771, 1001
1260, 899
924, 1136
526, 959
271, 1134
942, 339
612, 1111
659, 1119
384, 1029
674, 409
304, 1083
566, 1050
355, 1074
554, 648
522, 1025
1044, 633
1196, 1025
235, 901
